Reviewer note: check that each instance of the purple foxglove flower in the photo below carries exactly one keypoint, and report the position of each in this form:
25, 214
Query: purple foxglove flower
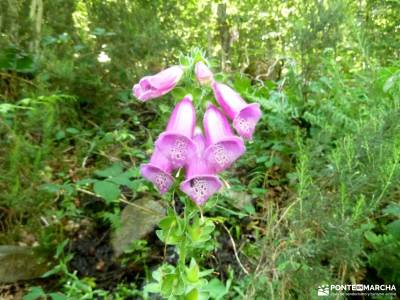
158, 171
203, 73
223, 147
201, 181
150, 87
245, 116
176, 141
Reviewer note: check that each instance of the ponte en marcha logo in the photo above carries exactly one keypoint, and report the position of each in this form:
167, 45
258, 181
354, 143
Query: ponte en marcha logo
356, 289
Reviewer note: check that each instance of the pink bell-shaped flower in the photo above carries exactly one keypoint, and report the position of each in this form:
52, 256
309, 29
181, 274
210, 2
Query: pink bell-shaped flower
201, 181
158, 171
176, 141
223, 147
150, 87
203, 73
244, 116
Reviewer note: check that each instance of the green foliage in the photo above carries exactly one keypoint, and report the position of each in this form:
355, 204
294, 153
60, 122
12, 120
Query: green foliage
111, 179
384, 247
192, 237
346, 170
13, 60
313, 201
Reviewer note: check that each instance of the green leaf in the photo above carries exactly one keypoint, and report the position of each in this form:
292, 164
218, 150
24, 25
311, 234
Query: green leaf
241, 83
192, 272
167, 284
107, 190
58, 296
34, 293
249, 208
72, 130
193, 295
394, 229
178, 93
216, 289
206, 272
262, 159
392, 209
57, 269
7, 107
133, 172
114, 170
165, 109
391, 82
157, 274
60, 247
152, 288
134, 185
122, 179
60, 135
167, 222
160, 235
372, 237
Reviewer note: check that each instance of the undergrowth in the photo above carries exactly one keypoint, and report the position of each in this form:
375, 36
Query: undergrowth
313, 201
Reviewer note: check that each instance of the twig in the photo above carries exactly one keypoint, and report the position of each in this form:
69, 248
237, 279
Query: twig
122, 200
44, 221
284, 214
86, 192
227, 185
234, 249
18, 78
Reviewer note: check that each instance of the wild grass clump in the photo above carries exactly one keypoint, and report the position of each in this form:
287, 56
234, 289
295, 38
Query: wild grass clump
326, 231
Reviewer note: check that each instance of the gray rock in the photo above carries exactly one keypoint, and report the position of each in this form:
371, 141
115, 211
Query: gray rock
20, 263
241, 198
137, 220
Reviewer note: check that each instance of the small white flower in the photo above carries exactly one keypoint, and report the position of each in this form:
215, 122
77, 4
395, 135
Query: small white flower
103, 57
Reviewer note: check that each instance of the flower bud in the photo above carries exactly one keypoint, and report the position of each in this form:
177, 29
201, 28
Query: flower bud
150, 87
203, 73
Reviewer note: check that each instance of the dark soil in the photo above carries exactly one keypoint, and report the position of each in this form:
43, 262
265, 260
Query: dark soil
93, 257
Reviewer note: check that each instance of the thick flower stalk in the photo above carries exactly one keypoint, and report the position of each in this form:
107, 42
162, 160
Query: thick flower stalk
203, 73
223, 147
150, 87
176, 141
244, 116
158, 171
201, 180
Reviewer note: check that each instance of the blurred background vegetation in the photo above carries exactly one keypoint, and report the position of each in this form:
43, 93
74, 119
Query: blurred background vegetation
315, 199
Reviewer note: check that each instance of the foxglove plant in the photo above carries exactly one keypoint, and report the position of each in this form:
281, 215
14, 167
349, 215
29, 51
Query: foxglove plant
223, 147
202, 157
201, 180
158, 171
150, 87
244, 116
176, 141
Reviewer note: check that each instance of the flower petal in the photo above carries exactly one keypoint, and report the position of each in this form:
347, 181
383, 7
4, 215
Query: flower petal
200, 188
223, 154
161, 179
